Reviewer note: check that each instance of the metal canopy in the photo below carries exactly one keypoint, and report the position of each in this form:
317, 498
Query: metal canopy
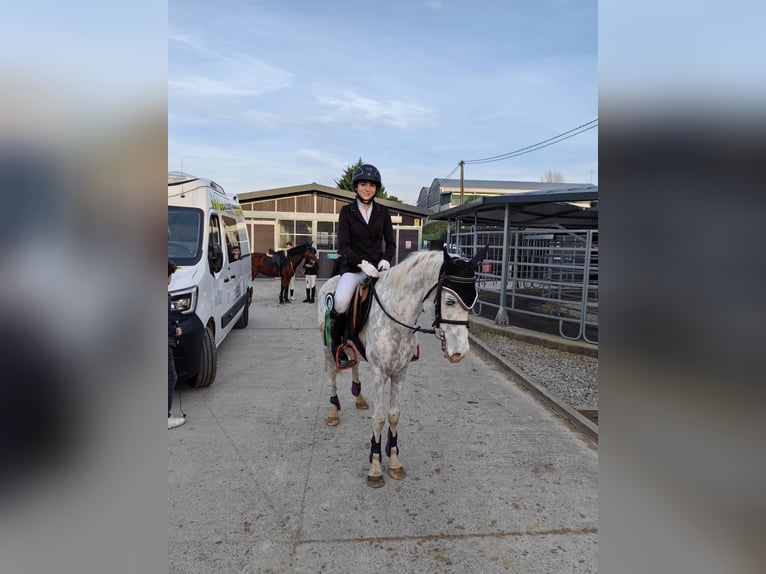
531, 209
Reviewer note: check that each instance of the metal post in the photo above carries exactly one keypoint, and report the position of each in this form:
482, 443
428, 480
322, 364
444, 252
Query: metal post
502, 315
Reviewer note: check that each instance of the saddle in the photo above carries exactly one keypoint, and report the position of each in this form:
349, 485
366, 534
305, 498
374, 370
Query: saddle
275, 258
357, 314
360, 308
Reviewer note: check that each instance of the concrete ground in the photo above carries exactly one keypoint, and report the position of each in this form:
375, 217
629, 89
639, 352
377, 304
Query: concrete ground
257, 482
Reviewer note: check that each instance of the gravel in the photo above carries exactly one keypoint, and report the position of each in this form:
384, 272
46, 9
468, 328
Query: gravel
570, 377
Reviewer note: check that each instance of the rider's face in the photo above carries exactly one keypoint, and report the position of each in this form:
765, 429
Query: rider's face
366, 189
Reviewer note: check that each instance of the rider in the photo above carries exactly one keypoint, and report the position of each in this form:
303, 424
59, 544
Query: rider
363, 227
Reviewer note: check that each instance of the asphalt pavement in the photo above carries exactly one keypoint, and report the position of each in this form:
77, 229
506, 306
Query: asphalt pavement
258, 483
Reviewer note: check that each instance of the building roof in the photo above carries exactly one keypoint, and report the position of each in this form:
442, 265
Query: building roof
551, 207
432, 197
331, 191
497, 185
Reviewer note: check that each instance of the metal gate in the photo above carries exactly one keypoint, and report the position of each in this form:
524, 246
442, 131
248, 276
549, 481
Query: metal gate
550, 275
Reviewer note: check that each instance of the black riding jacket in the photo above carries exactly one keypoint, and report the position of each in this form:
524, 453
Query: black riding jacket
358, 240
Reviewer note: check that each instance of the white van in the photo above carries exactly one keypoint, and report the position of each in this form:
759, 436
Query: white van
211, 290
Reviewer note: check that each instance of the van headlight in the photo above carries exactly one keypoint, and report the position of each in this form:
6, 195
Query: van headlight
184, 302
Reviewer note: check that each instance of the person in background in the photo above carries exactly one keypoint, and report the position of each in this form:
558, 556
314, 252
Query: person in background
288, 247
366, 240
311, 269
174, 331
236, 253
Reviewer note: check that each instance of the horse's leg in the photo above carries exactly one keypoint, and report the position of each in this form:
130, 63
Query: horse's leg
356, 389
375, 476
395, 468
333, 419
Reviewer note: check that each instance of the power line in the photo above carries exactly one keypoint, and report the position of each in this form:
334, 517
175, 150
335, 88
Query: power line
539, 145
450, 173
529, 149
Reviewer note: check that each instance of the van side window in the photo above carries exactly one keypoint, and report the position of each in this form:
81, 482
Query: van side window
244, 242
214, 231
232, 241
215, 249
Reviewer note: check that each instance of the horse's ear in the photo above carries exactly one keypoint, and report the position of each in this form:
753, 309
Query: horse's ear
480, 256
447, 257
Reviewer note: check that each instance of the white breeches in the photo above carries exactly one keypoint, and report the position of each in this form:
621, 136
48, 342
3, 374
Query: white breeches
311, 280
345, 291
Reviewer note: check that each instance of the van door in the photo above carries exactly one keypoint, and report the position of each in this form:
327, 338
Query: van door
237, 268
220, 294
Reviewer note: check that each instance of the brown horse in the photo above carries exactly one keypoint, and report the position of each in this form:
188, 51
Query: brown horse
265, 265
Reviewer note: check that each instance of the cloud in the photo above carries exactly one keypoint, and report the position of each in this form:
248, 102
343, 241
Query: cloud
354, 109
435, 4
218, 74
322, 158
201, 86
258, 118
179, 36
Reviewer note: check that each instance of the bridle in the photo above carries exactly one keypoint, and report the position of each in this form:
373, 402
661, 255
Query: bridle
447, 282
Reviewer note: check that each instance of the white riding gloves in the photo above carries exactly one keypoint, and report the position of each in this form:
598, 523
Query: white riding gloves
384, 265
368, 268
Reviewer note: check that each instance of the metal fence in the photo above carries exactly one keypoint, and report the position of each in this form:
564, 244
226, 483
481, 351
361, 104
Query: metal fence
544, 279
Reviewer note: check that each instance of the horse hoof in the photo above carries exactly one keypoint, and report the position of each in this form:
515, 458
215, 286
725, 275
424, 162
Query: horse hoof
397, 473
375, 481
333, 421
361, 404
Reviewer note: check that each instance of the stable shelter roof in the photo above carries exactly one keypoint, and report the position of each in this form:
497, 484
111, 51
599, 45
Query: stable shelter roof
567, 208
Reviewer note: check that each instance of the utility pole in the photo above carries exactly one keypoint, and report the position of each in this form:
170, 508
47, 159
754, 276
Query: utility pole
462, 164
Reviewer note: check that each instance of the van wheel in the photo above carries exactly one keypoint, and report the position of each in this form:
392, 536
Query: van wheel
244, 319
208, 362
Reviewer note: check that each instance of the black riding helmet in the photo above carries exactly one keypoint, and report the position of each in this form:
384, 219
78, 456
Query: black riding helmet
366, 172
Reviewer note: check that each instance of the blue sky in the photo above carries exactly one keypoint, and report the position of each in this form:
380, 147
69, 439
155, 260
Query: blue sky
273, 93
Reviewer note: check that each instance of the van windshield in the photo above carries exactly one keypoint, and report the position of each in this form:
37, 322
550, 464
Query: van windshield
184, 235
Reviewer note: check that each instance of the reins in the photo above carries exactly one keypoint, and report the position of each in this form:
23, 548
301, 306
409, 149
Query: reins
414, 329
443, 278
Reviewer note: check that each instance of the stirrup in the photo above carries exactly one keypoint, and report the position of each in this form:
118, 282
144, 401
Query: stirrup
351, 361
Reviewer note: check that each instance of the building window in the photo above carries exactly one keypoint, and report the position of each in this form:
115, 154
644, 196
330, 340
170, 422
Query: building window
302, 232
326, 235
298, 232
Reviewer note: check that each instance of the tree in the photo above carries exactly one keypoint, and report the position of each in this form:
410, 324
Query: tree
345, 182
435, 230
552, 176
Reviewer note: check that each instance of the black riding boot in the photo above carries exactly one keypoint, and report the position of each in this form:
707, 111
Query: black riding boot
337, 330
308, 296
313, 294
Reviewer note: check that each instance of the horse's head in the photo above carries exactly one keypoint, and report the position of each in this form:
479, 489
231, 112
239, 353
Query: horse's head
310, 255
455, 297
303, 252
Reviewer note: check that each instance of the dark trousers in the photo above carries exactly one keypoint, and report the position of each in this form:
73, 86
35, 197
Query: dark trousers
172, 378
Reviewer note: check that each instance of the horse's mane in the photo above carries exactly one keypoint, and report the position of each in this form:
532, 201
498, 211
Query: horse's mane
417, 266
298, 249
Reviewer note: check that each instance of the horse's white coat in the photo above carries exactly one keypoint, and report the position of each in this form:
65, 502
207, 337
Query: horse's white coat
389, 346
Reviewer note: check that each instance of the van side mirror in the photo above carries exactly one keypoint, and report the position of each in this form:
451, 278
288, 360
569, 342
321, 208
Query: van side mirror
215, 257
